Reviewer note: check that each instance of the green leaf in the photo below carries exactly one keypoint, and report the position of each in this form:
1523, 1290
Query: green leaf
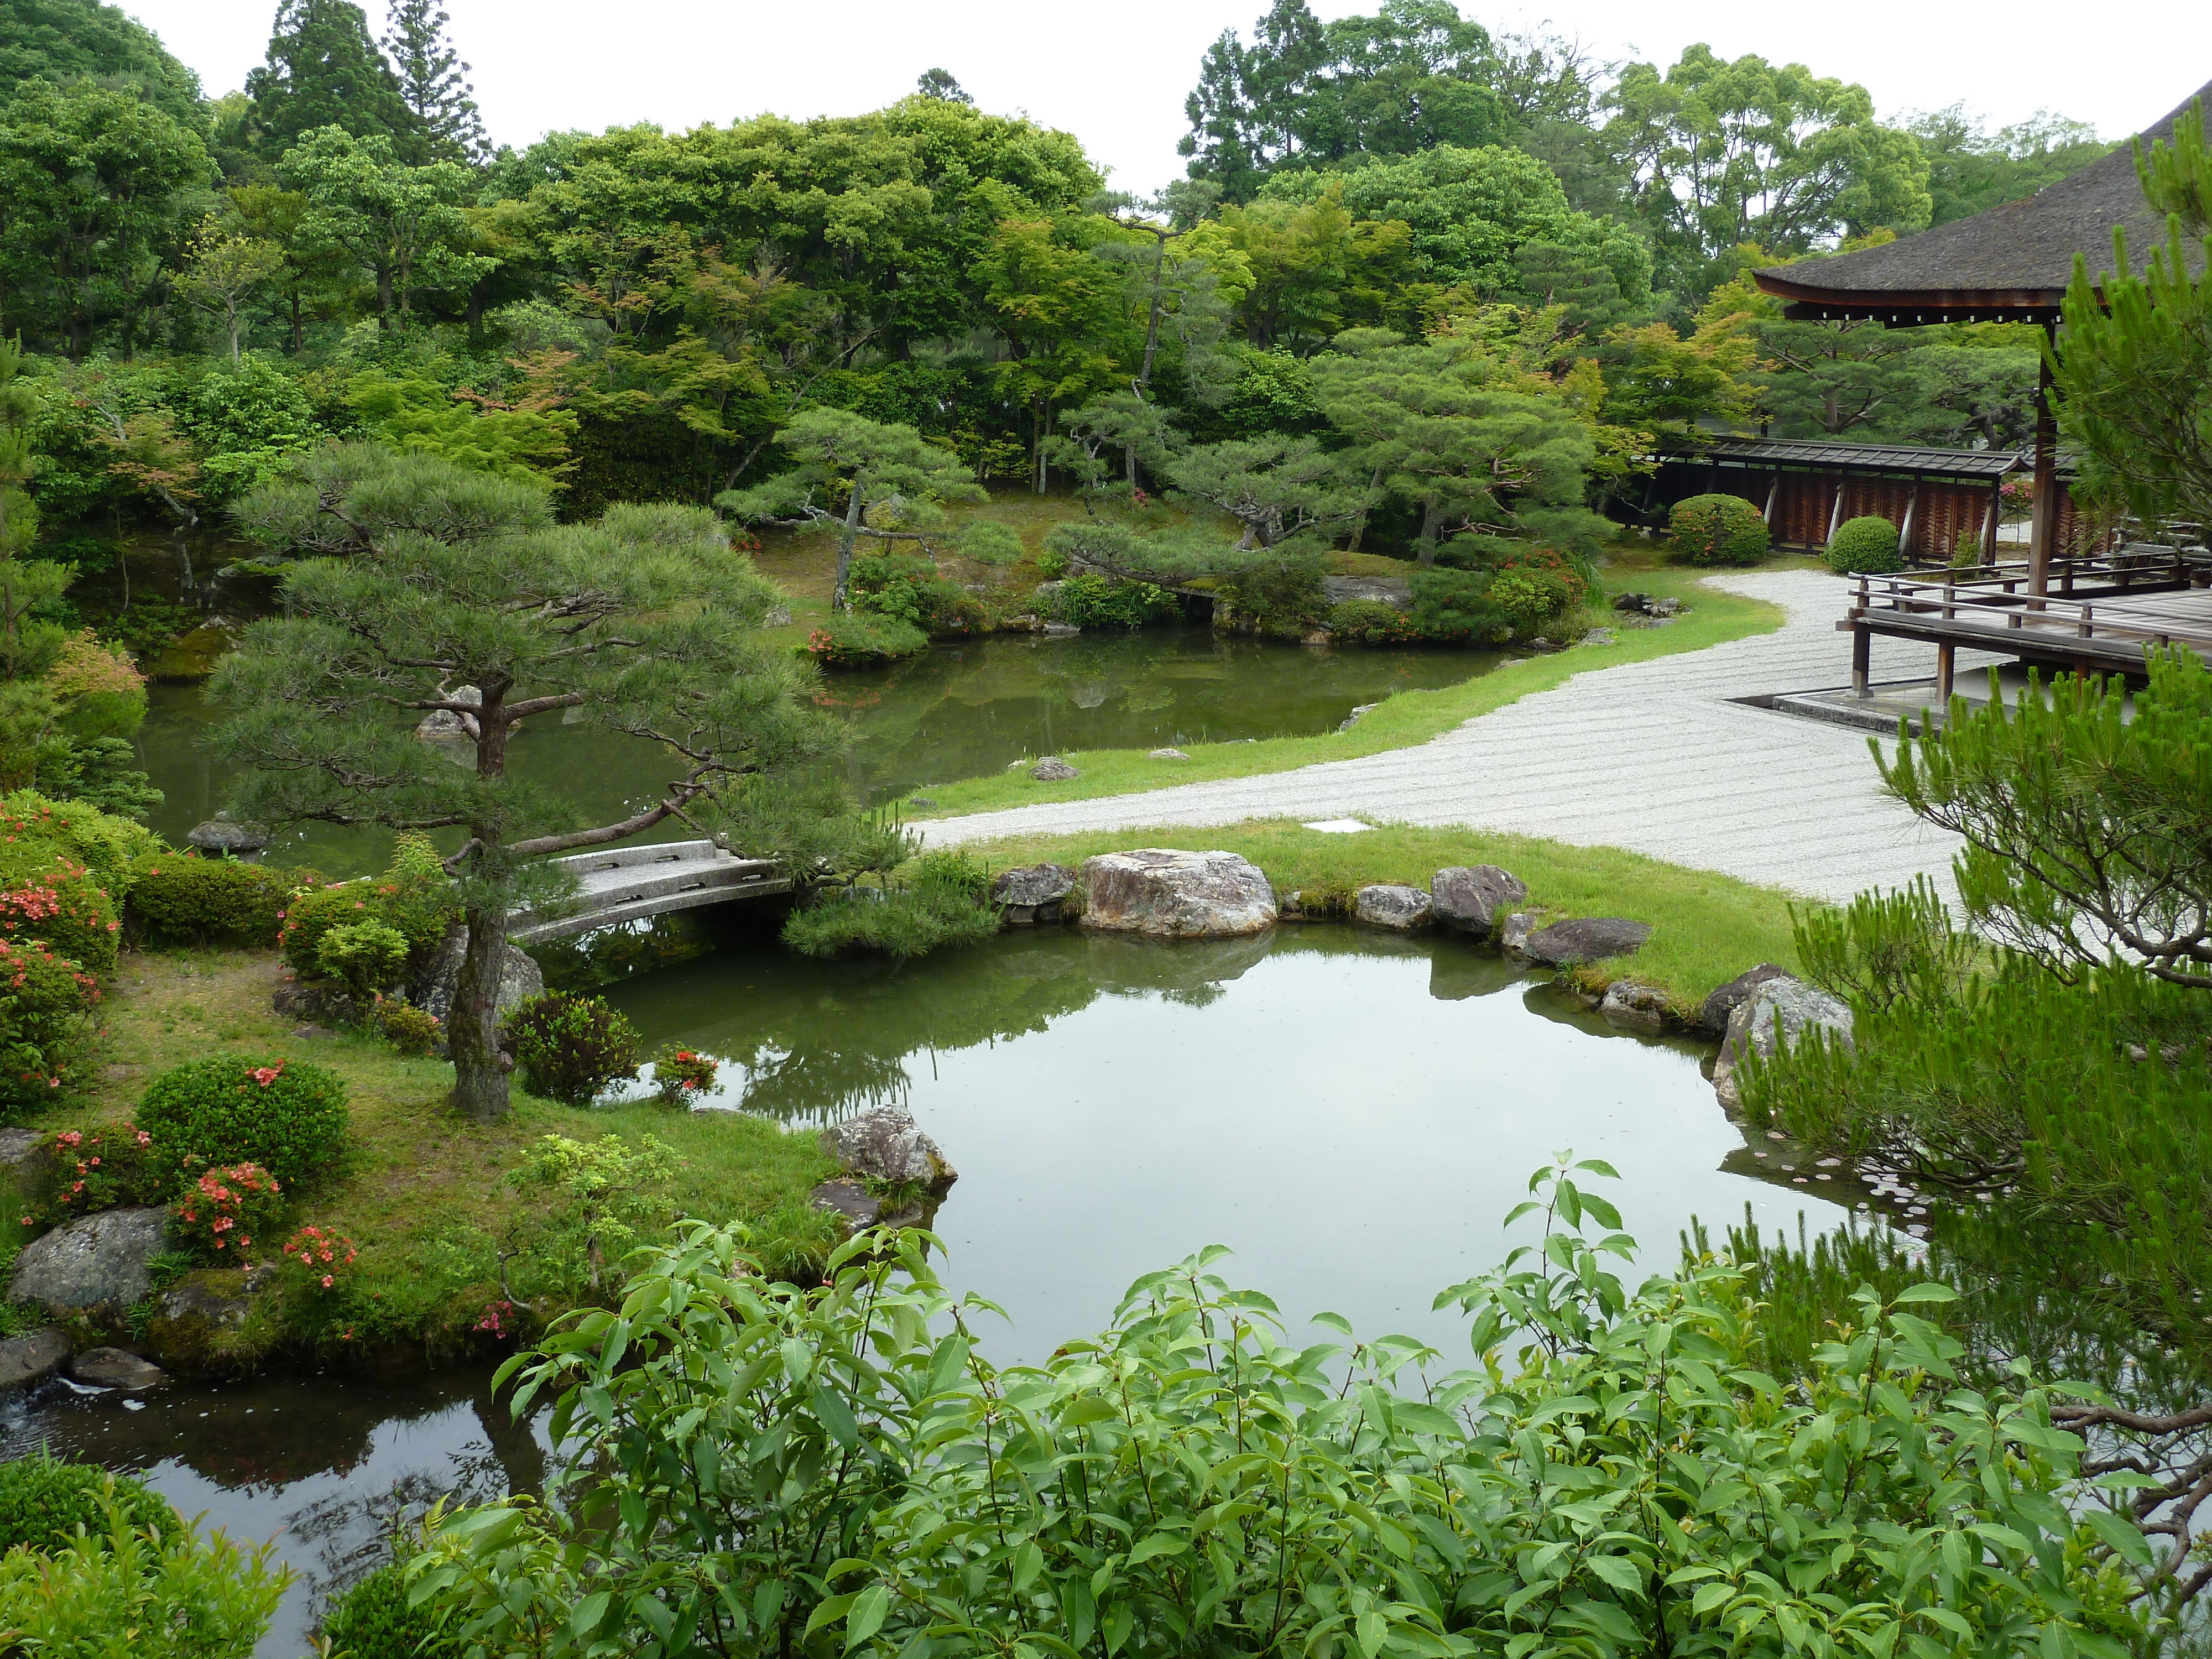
867, 1617
2126, 1540
1928, 1290
1119, 1623
1617, 1570
1160, 1543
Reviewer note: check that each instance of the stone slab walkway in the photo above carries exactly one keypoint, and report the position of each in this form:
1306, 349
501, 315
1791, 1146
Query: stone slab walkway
1655, 756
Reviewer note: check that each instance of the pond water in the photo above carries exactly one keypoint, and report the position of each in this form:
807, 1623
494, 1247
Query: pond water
960, 711
1352, 1113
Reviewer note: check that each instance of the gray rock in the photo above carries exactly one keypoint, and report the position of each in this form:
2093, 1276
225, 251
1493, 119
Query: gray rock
99, 1261
1053, 769
1170, 894
1470, 898
1778, 1010
885, 1144
778, 616
1165, 753
1388, 905
1032, 893
1513, 932
1352, 719
116, 1368
1635, 602
921, 800
1713, 1013
1633, 1003
220, 835
197, 1323
1587, 939
519, 980
1599, 636
1391, 590
19, 1146
32, 1357
449, 725
859, 1208
1057, 631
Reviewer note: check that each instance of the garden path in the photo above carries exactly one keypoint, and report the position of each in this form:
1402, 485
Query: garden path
1658, 756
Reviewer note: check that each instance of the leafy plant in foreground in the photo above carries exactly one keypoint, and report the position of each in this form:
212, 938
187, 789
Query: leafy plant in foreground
746, 1467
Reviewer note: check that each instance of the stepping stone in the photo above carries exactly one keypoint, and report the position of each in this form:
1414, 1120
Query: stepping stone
1337, 826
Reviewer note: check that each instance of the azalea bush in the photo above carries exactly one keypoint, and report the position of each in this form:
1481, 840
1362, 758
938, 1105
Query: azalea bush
682, 1075
864, 639
571, 1048
742, 1466
177, 898
64, 905
45, 1012
410, 1029
318, 1259
98, 1169
289, 1117
225, 1208
1709, 530
370, 958
414, 897
44, 1499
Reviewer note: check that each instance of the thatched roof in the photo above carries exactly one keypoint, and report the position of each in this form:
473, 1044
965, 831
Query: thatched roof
2005, 264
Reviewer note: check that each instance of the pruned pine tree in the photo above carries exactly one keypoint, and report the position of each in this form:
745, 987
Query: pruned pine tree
858, 477
434, 85
429, 588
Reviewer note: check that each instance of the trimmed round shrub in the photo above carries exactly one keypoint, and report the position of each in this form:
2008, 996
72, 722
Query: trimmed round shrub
1864, 547
289, 1117
410, 1029
1717, 529
45, 1003
1089, 600
570, 1047
179, 899
62, 902
370, 956
373, 1620
43, 1501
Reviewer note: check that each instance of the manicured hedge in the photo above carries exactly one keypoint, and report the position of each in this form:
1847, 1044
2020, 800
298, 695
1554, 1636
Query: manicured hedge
1864, 547
287, 1116
176, 898
1712, 529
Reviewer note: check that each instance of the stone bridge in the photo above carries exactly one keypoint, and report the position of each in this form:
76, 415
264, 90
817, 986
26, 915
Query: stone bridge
628, 883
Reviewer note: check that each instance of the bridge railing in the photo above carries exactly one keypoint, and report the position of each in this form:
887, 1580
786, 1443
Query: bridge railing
631, 883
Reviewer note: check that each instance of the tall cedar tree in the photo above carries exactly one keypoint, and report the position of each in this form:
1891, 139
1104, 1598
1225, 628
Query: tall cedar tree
322, 70
424, 579
432, 84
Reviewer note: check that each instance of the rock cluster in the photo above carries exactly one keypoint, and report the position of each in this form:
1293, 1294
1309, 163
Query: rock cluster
1401, 909
519, 978
895, 1176
1644, 604
221, 834
1585, 939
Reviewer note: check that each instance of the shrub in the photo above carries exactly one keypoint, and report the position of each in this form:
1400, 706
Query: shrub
414, 896
225, 1208
1278, 587
318, 1258
103, 694
176, 898
1454, 604
681, 1074
1375, 621
1091, 600
570, 1047
104, 843
1717, 529
1864, 547
410, 1029
373, 1620
1529, 600
46, 1003
98, 1168
909, 589
1052, 562
988, 542
861, 639
291, 1118
1966, 551
63, 904
43, 1499
370, 956
942, 899
150, 1593
1477, 551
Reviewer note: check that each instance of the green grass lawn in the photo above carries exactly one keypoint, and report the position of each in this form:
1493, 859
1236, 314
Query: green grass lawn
1706, 928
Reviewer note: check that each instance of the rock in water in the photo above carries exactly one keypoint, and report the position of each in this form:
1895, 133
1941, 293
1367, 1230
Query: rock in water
1781, 1008
1588, 939
885, 1144
1514, 930
1032, 893
1633, 1003
1053, 769
103, 1261
220, 835
1172, 894
1388, 905
519, 980
32, 1358
195, 1321
116, 1368
1472, 897
1713, 1013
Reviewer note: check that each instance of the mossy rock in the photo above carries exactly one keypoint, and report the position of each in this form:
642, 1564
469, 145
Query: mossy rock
193, 656
210, 1322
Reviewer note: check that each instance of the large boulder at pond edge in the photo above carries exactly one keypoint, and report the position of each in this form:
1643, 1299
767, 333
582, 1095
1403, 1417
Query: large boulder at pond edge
32, 1358
197, 1323
1777, 1009
1713, 1013
1032, 893
222, 834
1169, 894
1470, 898
1587, 939
102, 1261
1389, 905
885, 1144
519, 979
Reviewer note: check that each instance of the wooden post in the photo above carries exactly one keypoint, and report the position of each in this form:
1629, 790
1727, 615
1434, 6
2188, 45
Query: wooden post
1773, 494
1836, 513
1947, 663
1989, 524
2042, 534
1905, 530
1861, 658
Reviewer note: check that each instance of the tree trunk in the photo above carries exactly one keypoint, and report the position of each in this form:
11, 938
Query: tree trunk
1430, 512
384, 296
298, 329
838, 600
480, 1090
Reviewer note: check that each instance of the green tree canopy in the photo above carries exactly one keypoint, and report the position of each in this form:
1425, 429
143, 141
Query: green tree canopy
1969, 169
65, 41
323, 70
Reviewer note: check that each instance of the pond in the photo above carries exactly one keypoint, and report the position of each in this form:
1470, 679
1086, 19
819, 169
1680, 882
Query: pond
1352, 1113
959, 711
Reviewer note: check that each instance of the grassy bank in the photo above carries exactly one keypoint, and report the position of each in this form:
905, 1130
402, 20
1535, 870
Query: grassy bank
1706, 928
426, 1194
1410, 718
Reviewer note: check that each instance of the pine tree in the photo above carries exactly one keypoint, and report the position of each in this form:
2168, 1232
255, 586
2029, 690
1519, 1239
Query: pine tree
448, 126
323, 70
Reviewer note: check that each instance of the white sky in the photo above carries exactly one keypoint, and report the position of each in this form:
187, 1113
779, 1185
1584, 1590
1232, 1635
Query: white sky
1116, 75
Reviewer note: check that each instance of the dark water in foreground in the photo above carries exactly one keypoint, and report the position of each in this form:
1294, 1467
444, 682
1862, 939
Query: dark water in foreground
961, 711
1351, 1114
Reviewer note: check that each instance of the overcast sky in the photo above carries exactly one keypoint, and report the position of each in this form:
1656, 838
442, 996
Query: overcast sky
1116, 75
